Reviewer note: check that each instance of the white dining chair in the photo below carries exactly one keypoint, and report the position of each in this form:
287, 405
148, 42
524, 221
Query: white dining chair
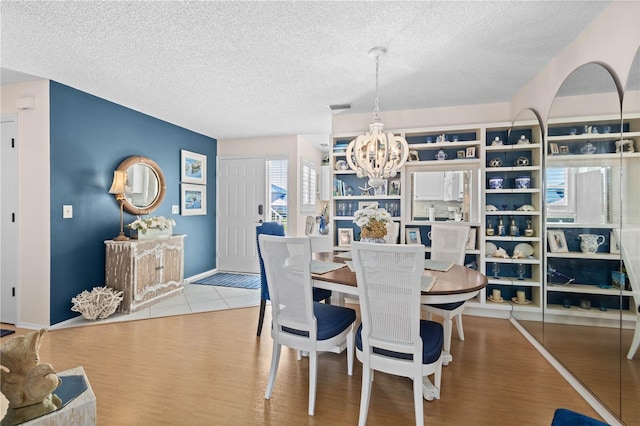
297, 321
448, 243
392, 338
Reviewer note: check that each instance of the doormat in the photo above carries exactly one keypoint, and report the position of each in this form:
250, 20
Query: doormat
223, 279
4, 332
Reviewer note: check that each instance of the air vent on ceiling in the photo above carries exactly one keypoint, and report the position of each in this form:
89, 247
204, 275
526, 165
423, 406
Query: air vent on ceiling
339, 107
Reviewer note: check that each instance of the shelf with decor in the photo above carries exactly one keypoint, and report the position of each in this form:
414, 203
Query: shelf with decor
460, 144
585, 274
512, 196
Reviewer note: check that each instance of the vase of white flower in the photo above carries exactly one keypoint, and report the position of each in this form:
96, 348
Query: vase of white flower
153, 227
373, 223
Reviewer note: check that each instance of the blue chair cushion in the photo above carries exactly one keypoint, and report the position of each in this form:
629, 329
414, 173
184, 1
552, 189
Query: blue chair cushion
447, 306
320, 294
432, 335
332, 320
564, 417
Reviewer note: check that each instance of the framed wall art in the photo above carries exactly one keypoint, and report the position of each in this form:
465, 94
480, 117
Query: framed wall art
394, 187
413, 236
557, 241
345, 237
193, 199
471, 152
193, 167
365, 204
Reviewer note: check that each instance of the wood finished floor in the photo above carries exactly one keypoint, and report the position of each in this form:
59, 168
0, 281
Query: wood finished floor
211, 369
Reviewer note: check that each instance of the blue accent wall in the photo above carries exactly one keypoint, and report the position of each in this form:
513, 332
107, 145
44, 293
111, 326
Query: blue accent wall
89, 138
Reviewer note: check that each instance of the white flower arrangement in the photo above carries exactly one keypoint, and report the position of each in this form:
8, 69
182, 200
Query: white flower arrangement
372, 221
363, 216
141, 224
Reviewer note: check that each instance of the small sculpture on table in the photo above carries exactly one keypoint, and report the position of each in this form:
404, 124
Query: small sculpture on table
27, 384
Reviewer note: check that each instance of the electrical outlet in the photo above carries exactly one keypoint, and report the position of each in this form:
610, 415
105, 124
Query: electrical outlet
67, 212
175, 209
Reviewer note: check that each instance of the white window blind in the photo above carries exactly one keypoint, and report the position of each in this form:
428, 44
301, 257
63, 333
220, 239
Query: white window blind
308, 181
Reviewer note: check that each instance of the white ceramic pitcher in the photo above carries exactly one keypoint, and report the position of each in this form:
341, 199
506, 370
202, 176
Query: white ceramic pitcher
589, 243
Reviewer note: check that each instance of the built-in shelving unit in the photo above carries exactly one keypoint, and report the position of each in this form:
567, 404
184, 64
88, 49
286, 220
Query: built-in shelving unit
504, 166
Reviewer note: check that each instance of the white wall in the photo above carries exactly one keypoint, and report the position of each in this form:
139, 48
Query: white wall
611, 39
34, 254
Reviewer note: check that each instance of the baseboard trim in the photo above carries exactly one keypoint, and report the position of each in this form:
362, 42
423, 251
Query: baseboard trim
201, 275
603, 411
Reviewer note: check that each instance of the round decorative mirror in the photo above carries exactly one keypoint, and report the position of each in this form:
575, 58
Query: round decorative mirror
145, 185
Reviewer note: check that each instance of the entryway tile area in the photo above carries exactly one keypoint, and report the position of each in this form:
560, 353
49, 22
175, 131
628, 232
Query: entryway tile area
194, 298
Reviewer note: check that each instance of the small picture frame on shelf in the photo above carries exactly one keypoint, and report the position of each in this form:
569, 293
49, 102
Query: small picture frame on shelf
461, 153
345, 237
471, 152
471, 241
394, 187
381, 190
365, 204
557, 241
564, 149
413, 236
614, 243
553, 148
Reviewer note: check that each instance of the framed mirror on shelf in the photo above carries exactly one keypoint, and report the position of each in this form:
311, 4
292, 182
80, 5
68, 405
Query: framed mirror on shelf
444, 195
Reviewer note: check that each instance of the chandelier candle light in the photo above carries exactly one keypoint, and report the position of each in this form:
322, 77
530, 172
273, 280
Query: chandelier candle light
375, 154
372, 222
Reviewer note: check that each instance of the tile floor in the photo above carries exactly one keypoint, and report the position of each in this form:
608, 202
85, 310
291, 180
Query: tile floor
194, 298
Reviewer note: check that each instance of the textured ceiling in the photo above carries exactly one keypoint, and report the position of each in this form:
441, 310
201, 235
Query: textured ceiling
243, 69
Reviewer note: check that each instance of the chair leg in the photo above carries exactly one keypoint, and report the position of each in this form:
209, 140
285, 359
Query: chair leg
365, 395
350, 352
417, 400
263, 304
275, 360
636, 342
313, 378
459, 326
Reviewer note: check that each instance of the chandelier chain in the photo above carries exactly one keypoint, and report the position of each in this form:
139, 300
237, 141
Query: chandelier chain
376, 109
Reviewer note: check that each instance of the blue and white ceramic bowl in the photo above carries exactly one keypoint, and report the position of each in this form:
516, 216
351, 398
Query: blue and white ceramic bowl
523, 182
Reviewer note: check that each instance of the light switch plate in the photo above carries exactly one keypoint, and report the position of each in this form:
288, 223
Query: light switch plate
175, 209
67, 211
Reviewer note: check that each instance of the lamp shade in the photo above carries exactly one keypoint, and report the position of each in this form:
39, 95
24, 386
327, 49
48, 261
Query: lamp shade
119, 180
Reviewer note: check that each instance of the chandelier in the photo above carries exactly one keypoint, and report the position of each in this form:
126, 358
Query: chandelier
375, 154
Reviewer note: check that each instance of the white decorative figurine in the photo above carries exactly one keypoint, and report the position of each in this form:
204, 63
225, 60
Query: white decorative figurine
99, 303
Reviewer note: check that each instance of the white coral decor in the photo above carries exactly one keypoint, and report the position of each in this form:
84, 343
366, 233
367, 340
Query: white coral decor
141, 224
99, 303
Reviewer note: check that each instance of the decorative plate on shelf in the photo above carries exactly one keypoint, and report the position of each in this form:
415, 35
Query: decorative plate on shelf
490, 248
524, 248
490, 297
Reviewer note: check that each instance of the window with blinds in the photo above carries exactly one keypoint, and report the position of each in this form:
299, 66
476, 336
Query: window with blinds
308, 181
277, 184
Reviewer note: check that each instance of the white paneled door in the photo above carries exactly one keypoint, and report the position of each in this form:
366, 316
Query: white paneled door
8, 219
241, 207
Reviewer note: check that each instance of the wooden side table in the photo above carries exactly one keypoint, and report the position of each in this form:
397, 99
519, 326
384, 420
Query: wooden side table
147, 271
